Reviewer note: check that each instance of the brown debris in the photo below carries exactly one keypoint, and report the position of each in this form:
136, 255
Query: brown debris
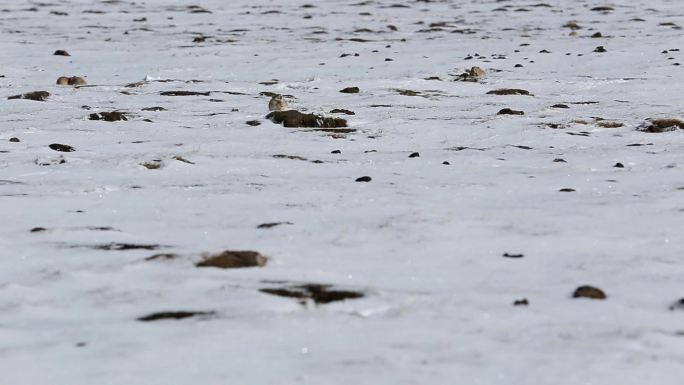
234, 259
294, 118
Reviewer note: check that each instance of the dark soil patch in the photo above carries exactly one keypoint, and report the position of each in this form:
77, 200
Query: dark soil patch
662, 125
319, 294
234, 259
509, 91
113, 116
162, 256
293, 118
342, 111
175, 315
589, 292
39, 96
271, 225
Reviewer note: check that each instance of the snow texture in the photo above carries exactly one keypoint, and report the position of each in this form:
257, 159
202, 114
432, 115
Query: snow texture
423, 241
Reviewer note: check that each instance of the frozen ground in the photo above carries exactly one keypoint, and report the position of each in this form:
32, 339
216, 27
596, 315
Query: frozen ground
424, 241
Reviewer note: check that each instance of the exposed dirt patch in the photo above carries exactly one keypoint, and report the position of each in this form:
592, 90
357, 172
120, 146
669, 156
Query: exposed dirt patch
661, 125
113, 116
230, 259
509, 91
293, 118
175, 315
318, 293
39, 96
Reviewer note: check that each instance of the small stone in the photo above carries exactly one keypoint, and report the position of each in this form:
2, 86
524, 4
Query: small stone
560, 106
446, 163
567, 190
335, 152
414, 155
521, 302
364, 179
600, 49
112, 116
253, 123
234, 259
61, 147
61, 52
38, 229
293, 118
350, 90
559, 160
507, 255
589, 292
619, 165
14, 140
508, 111
342, 111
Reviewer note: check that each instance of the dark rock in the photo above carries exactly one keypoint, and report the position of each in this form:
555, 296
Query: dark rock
521, 302
619, 165
364, 179
589, 292
234, 259
38, 229
62, 147
342, 111
509, 91
414, 155
350, 90
661, 125
446, 163
567, 190
38, 96
293, 118
253, 123
61, 52
507, 255
154, 109
174, 315
335, 152
14, 140
112, 116
508, 111
559, 160
600, 49
270, 225
678, 305
318, 293
560, 106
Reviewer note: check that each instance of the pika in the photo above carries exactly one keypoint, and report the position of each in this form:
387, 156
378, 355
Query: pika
71, 81
277, 103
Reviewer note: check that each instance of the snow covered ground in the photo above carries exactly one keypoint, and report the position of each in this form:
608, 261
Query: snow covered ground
423, 241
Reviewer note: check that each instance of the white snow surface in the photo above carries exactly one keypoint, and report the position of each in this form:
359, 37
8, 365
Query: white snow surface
423, 241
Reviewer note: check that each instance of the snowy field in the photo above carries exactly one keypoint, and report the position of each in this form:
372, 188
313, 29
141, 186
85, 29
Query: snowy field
101, 238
